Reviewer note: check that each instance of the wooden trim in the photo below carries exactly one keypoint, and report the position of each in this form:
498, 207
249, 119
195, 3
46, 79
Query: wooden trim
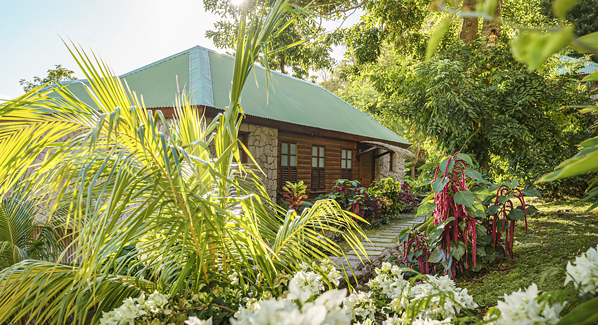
382, 154
366, 151
291, 127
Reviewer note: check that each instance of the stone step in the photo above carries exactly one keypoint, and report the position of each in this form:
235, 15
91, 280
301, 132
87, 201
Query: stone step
384, 235
381, 240
353, 261
374, 247
369, 252
381, 245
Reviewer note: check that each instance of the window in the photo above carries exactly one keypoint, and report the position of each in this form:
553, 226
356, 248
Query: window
288, 163
243, 137
317, 168
391, 166
347, 164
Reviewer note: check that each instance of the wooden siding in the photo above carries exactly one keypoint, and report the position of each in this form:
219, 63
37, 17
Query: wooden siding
332, 159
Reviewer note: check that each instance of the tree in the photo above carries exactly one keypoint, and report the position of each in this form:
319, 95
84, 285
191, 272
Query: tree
312, 54
54, 75
193, 217
583, 15
479, 100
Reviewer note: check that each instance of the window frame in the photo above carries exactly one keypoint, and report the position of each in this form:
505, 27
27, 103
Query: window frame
347, 172
391, 167
320, 169
291, 170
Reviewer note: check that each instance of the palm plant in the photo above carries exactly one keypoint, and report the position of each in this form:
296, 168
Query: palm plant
129, 176
21, 236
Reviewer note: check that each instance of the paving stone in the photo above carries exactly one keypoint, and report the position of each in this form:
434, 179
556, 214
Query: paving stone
384, 235
368, 252
381, 245
375, 247
382, 240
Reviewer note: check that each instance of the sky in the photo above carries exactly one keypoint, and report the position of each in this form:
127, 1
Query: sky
127, 34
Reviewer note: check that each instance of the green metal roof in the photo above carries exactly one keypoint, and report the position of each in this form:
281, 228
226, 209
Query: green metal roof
207, 76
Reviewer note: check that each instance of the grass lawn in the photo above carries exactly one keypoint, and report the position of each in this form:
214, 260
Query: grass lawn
556, 235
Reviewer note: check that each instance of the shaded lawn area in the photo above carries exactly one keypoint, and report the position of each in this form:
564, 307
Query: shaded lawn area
556, 235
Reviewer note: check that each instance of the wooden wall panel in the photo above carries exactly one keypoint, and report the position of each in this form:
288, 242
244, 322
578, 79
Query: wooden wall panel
332, 163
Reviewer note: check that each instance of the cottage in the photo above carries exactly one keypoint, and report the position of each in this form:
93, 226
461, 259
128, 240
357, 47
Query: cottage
295, 130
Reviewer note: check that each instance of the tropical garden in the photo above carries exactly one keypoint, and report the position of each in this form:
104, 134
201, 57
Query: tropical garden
110, 214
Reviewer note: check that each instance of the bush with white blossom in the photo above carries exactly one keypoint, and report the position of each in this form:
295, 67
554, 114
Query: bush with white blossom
391, 299
584, 272
526, 307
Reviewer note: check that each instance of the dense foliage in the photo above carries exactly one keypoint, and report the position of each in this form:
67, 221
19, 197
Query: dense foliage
354, 197
478, 99
583, 15
400, 195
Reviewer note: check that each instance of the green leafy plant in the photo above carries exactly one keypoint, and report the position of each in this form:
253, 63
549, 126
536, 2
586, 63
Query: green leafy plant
399, 195
129, 176
295, 194
462, 230
353, 197
22, 237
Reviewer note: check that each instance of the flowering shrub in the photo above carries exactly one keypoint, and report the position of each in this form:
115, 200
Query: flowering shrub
357, 199
526, 307
391, 299
400, 195
584, 272
137, 310
463, 230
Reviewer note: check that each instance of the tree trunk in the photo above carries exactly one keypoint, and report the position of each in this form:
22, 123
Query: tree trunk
491, 29
469, 29
282, 64
414, 162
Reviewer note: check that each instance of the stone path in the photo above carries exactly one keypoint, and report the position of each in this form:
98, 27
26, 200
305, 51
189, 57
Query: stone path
377, 243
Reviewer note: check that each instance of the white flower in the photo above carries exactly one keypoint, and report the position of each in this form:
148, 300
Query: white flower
233, 278
253, 305
196, 321
384, 268
324, 310
155, 302
331, 272
305, 285
360, 304
395, 320
447, 299
584, 273
522, 307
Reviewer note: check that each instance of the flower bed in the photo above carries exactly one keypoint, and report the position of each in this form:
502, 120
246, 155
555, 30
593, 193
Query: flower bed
395, 296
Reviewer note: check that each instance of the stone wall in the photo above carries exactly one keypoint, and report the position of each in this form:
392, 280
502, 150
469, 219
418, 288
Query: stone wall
262, 143
382, 168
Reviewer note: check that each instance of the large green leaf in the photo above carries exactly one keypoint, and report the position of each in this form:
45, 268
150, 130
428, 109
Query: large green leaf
586, 314
437, 37
516, 214
562, 7
587, 43
464, 198
535, 47
531, 192
439, 184
457, 251
583, 162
